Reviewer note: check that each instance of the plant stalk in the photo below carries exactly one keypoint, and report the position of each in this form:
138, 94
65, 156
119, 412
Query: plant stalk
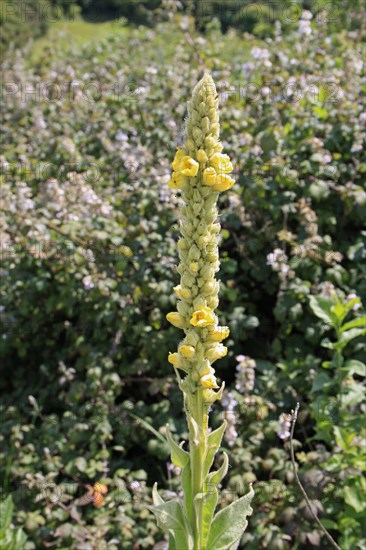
197, 457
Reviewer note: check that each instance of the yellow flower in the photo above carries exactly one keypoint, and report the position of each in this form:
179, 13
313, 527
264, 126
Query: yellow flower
178, 157
216, 352
221, 163
193, 266
220, 333
187, 351
174, 359
188, 166
176, 319
178, 181
208, 381
223, 183
203, 317
209, 176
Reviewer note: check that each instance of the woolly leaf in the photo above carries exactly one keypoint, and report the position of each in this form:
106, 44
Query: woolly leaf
179, 457
156, 497
213, 443
210, 500
171, 519
215, 477
230, 523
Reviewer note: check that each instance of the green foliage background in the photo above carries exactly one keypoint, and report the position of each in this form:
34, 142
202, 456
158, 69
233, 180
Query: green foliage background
89, 234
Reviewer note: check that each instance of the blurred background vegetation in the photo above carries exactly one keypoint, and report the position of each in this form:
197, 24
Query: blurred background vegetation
94, 100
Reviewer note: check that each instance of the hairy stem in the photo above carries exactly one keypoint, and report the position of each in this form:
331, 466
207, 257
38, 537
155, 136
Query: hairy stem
198, 455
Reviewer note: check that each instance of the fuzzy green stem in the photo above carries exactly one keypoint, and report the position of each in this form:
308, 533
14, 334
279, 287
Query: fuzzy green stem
198, 455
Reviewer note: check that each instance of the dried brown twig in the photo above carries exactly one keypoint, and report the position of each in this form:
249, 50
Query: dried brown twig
294, 415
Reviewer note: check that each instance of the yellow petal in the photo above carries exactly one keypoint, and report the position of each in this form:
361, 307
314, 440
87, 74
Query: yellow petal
203, 317
209, 176
216, 352
221, 163
223, 183
176, 319
219, 334
174, 359
178, 157
208, 381
205, 368
188, 166
178, 181
187, 351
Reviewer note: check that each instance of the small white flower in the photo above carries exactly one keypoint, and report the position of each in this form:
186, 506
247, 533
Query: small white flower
356, 147
121, 136
307, 15
88, 283
284, 426
305, 27
135, 485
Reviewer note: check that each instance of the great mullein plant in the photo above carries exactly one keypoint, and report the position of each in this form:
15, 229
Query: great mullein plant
200, 173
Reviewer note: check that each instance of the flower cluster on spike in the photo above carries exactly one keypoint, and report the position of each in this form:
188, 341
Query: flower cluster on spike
201, 171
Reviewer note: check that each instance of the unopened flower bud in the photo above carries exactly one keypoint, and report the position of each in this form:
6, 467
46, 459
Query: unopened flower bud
202, 156
176, 319
187, 351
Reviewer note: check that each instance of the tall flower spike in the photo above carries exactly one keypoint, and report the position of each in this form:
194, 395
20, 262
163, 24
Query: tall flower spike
204, 170
200, 172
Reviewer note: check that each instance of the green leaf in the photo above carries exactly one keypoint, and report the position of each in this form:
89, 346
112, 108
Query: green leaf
230, 523
351, 334
326, 343
321, 381
353, 395
19, 539
322, 308
359, 322
320, 112
353, 366
210, 500
215, 477
340, 311
213, 443
183, 539
172, 545
81, 464
170, 517
156, 497
344, 438
6, 512
355, 494
187, 490
350, 304
180, 457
